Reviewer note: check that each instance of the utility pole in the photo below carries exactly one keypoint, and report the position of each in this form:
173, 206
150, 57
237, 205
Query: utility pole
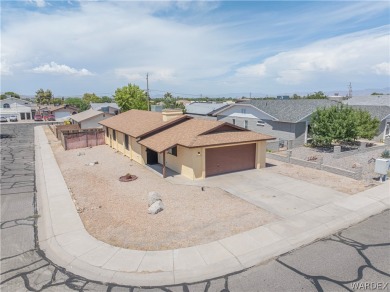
147, 90
250, 94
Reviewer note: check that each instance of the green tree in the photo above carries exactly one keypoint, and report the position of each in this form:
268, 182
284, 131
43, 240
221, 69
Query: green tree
77, 102
91, 97
316, 95
106, 99
43, 97
12, 94
367, 127
296, 96
57, 100
341, 124
3, 96
169, 101
131, 97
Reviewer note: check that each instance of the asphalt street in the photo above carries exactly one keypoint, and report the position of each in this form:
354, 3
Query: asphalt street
355, 259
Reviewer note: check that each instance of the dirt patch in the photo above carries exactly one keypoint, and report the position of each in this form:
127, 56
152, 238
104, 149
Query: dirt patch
117, 212
318, 177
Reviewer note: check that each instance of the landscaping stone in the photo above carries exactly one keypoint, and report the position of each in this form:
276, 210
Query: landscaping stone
153, 197
156, 207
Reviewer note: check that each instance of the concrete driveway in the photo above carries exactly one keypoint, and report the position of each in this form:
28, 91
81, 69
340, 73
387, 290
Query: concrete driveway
281, 195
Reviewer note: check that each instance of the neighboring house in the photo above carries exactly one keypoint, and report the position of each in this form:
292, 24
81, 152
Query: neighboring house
379, 100
23, 109
203, 110
284, 119
89, 119
382, 113
195, 148
60, 112
107, 107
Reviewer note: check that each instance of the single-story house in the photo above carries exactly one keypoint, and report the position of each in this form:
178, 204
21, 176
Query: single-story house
287, 120
195, 148
21, 108
60, 112
89, 119
203, 110
107, 107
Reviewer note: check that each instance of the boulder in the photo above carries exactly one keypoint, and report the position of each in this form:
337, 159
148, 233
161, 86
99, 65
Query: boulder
153, 197
156, 207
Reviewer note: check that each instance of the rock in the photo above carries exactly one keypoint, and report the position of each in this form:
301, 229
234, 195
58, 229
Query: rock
156, 207
93, 163
153, 197
356, 165
80, 153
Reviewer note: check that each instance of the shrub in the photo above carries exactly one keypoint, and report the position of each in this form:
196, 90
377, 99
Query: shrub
385, 154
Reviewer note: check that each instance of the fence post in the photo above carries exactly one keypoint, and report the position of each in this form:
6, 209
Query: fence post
87, 138
336, 151
289, 152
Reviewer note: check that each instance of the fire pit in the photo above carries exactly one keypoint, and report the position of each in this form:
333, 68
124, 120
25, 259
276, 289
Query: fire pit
128, 177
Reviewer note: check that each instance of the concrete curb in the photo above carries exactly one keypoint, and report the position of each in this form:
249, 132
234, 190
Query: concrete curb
65, 241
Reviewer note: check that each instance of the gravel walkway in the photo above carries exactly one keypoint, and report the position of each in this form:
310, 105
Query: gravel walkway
116, 212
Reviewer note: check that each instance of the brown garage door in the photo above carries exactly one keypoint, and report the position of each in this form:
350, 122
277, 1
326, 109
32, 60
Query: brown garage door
228, 159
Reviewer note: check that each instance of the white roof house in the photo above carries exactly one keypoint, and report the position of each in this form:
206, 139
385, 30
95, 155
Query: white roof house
11, 106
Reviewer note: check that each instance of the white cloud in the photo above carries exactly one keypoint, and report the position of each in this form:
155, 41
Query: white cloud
252, 70
382, 68
139, 73
38, 3
353, 54
54, 68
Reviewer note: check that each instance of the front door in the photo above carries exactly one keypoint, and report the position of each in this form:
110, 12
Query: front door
151, 156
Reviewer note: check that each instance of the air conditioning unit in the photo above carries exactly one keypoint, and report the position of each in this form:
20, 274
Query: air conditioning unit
382, 166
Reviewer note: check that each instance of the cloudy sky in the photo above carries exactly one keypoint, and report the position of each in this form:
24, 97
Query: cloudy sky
194, 47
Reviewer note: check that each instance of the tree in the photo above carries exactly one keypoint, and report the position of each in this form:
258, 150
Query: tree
12, 94
316, 95
43, 97
57, 100
77, 102
131, 97
341, 124
91, 97
106, 99
367, 127
170, 102
296, 96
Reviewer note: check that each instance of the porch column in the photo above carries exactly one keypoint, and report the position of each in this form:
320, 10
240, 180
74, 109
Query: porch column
164, 168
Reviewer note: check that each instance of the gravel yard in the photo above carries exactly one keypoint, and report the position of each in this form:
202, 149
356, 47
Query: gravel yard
116, 212
349, 163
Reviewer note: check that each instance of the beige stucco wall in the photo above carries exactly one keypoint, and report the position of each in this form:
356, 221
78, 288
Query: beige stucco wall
187, 162
136, 151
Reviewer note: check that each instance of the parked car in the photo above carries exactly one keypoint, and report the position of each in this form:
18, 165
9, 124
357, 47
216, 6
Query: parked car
38, 118
13, 118
3, 119
51, 118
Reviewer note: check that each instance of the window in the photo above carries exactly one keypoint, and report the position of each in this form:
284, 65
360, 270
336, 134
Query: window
173, 151
260, 123
114, 135
107, 133
127, 142
234, 121
6, 105
243, 110
246, 124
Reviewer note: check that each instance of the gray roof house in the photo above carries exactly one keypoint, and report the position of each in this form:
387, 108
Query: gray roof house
89, 119
107, 107
204, 110
288, 120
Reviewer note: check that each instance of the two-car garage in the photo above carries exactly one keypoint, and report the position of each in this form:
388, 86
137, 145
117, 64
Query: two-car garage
230, 158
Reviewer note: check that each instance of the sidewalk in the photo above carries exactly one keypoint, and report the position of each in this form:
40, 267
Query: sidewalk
65, 241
